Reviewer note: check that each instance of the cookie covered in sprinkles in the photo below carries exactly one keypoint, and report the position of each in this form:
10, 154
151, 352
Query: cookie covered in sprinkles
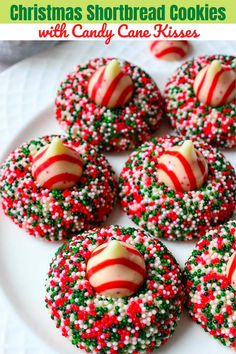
210, 278
167, 200
55, 186
109, 103
98, 323
201, 99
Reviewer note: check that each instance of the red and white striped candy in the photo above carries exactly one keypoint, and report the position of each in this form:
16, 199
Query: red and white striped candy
116, 269
231, 270
109, 86
56, 166
215, 85
183, 168
169, 50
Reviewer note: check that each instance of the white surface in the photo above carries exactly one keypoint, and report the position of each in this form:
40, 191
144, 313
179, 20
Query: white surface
26, 89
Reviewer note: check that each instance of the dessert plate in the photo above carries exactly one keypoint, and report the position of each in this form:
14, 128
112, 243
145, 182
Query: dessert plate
24, 260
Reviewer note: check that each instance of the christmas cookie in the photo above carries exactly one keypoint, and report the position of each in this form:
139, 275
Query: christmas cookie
54, 186
211, 277
169, 50
114, 290
176, 188
201, 99
109, 103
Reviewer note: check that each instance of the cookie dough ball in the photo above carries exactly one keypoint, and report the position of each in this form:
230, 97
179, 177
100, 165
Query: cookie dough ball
109, 103
55, 186
210, 278
201, 99
100, 322
167, 200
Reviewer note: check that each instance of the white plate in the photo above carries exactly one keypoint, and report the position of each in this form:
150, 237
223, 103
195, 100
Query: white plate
24, 261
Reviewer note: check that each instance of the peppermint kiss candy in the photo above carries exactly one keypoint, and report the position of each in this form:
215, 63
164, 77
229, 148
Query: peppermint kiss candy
215, 85
183, 168
109, 86
169, 50
56, 166
231, 270
116, 269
